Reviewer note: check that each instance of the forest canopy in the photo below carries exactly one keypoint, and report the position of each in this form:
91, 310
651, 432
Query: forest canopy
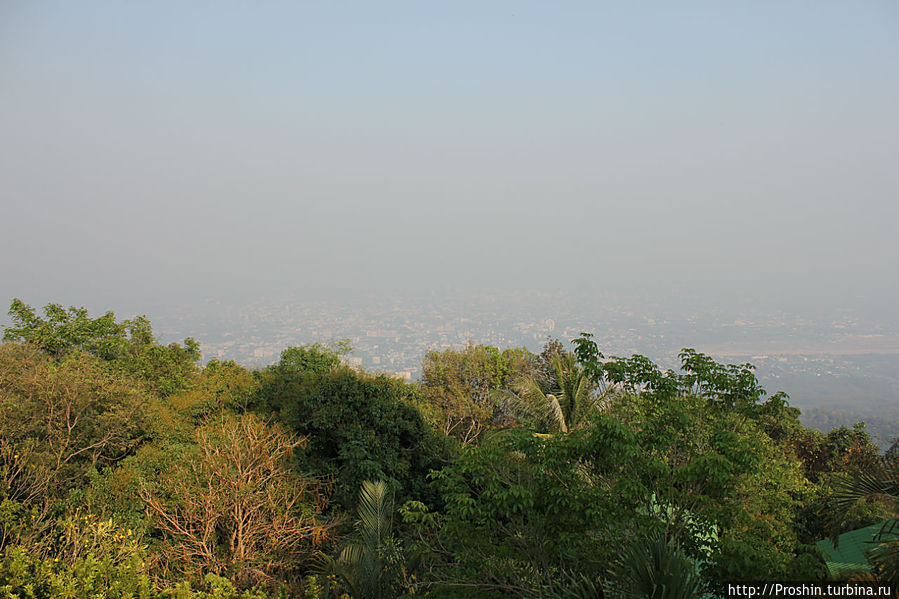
129, 468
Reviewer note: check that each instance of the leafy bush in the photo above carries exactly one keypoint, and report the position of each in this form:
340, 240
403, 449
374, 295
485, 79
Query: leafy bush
128, 346
59, 419
359, 427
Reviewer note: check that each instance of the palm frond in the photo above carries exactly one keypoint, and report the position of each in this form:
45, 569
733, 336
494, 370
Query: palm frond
359, 566
654, 568
880, 479
569, 405
572, 585
885, 557
528, 399
375, 513
556, 414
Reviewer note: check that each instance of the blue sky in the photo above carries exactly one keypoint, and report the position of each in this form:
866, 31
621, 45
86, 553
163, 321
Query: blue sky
237, 149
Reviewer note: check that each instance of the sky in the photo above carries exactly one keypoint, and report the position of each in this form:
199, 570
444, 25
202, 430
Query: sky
175, 151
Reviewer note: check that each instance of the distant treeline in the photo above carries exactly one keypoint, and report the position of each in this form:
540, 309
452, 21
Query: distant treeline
883, 430
129, 470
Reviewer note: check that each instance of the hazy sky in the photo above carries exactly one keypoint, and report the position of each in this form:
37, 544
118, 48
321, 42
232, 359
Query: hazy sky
153, 151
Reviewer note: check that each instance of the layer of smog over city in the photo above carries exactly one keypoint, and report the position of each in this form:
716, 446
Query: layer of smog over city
839, 367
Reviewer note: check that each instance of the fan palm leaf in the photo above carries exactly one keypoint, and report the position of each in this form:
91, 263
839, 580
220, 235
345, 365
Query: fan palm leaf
877, 480
654, 568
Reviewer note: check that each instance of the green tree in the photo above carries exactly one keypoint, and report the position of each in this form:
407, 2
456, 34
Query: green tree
220, 386
59, 419
734, 386
359, 427
706, 460
61, 331
462, 388
373, 565
128, 346
569, 402
311, 359
522, 510
674, 453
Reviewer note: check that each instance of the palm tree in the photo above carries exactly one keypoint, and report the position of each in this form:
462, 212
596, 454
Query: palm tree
877, 480
563, 403
372, 566
654, 568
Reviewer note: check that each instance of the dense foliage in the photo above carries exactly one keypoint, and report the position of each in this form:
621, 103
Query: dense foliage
359, 426
129, 470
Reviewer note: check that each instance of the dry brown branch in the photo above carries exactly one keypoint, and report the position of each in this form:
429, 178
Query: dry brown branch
235, 508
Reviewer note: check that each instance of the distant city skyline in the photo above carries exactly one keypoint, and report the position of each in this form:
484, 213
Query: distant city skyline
838, 367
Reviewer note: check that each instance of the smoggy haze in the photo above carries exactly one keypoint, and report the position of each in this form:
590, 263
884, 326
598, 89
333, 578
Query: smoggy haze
173, 151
